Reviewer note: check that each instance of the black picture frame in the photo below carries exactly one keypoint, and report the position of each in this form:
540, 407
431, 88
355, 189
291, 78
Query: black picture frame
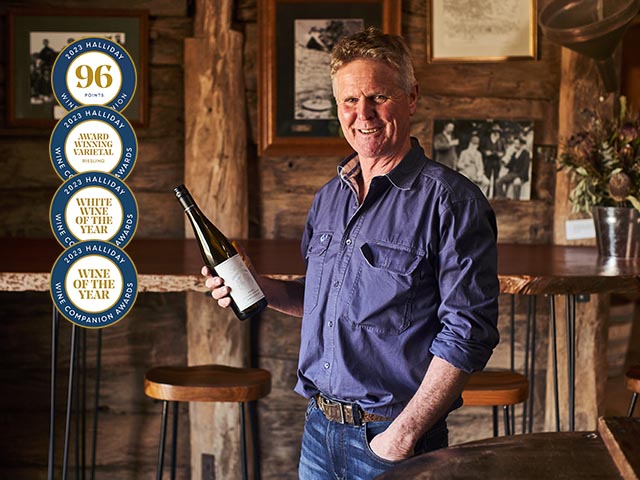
34, 108
509, 130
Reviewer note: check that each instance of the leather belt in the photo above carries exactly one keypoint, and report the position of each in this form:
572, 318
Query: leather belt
344, 412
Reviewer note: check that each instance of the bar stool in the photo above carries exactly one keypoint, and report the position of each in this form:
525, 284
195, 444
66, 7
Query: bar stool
496, 388
632, 378
204, 383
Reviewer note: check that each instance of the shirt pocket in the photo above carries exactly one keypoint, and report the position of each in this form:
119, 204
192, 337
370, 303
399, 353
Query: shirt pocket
315, 257
384, 291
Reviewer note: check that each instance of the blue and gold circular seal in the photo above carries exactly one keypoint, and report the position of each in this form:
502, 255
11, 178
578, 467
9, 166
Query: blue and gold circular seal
94, 206
94, 284
93, 138
94, 71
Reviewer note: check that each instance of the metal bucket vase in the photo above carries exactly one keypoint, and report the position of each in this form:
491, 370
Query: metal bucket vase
617, 231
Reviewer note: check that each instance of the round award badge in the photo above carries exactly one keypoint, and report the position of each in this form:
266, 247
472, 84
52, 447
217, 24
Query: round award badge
94, 71
94, 284
94, 206
93, 138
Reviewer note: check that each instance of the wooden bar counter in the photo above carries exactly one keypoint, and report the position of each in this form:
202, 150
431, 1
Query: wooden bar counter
173, 265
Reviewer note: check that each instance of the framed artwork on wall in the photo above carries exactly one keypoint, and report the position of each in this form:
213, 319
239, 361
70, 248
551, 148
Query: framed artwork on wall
296, 110
494, 154
488, 31
36, 36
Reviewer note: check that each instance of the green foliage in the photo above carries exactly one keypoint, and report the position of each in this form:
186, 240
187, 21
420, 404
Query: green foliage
604, 161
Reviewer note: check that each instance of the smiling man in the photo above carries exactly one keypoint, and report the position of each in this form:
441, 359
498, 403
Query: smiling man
399, 301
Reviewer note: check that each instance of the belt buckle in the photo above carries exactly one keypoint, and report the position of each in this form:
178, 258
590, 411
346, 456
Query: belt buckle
330, 402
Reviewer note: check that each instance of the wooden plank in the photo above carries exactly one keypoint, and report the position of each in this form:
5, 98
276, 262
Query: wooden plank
166, 8
125, 442
579, 81
621, 435
166, 38
216, 174
523, 221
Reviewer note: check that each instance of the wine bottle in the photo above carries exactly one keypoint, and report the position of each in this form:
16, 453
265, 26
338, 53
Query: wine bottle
223, 260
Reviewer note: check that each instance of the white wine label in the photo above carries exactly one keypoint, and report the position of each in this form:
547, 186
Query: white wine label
94, 284
94, 206
94, 71
93, 139
244, 288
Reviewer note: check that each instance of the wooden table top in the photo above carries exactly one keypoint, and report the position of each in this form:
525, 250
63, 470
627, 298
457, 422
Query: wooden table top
611, 452
173, 265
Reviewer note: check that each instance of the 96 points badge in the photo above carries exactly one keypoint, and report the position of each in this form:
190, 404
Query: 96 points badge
94, 284
94, 71
94, 206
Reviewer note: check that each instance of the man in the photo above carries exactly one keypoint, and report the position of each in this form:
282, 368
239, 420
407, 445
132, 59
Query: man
444, 146
493, 151
471, 166
399, 302
518, 170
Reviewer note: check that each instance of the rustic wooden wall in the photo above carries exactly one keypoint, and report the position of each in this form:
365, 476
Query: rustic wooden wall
284, 188
153, 333
280, 192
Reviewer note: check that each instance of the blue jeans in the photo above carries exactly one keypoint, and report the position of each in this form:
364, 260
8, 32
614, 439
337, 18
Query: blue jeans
332, 451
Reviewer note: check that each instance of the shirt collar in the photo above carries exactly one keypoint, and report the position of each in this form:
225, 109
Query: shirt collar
402, 176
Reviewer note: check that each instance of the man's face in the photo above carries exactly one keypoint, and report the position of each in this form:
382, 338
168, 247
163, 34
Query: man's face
448, 128
373, 110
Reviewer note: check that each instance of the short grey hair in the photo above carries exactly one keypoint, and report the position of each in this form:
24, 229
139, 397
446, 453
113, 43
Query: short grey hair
373, 44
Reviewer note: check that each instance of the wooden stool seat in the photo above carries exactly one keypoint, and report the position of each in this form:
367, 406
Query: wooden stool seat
632, 379
495, 387
207, 383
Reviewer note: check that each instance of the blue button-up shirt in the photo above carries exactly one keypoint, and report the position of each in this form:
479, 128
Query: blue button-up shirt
408, 274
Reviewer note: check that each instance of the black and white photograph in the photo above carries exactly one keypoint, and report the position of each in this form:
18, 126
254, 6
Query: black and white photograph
494, 154
44, 48
314, 40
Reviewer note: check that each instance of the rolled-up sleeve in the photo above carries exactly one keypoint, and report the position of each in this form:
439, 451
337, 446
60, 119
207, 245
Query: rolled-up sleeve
468, 284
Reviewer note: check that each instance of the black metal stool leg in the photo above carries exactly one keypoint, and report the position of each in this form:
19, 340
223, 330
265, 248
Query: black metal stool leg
495, 420
527, 343
94, 443
163, 432
532, 369
174, 441
55, 326
571, 354
253, 426
554, 334
632, 405
67, 427
507, 430
512, 359
243, 443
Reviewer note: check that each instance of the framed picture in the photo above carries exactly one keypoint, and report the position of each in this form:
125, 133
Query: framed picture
297, 113
488, 31
494, 154
35, 38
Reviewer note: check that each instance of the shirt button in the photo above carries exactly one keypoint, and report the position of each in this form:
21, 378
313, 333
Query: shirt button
336, 285
326, 365
330, 323
348, 242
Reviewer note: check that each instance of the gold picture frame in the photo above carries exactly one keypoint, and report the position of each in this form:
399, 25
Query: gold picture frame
488, 31
288, 121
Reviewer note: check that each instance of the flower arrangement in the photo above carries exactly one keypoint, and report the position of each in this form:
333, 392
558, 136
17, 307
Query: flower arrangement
604, 160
